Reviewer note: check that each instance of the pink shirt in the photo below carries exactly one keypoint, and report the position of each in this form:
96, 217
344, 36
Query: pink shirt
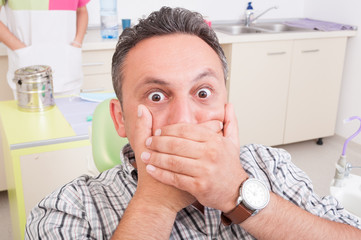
44, 5
66, 4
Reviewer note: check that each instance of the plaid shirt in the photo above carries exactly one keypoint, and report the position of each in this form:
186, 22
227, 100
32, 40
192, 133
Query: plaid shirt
91, 208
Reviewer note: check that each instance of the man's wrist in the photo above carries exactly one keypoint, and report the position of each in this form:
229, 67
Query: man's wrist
149, 204
253, 197
233, 202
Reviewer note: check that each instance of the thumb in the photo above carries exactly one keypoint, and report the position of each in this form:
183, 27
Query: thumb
231, 125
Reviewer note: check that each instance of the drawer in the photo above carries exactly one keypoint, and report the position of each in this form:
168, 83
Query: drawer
97, 82
97, 62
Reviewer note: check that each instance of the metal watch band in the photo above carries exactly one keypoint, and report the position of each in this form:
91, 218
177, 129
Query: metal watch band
237, 215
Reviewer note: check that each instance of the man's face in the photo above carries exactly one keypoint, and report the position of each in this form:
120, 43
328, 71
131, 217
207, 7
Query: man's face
178, 77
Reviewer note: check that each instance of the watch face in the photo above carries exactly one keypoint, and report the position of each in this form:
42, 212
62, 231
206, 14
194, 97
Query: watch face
255, 194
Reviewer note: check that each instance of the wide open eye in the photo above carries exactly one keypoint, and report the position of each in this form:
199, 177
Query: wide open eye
204, 93
156, 96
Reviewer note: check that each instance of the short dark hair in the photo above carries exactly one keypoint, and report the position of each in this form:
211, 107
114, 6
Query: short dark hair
163, 22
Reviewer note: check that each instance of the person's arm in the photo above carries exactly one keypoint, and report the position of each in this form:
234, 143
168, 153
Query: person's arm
152, 211
209, 170
284, 220
145, 220
81, 26
8, 38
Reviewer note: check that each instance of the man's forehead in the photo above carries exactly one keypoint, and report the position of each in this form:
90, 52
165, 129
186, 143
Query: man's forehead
171, 61
165, 81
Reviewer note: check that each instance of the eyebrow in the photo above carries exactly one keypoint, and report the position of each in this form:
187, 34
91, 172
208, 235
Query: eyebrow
206, 73
155, 81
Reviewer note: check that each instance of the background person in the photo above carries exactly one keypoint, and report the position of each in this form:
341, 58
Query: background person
47, 33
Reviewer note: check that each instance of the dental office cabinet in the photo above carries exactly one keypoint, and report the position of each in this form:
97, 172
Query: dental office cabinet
286, 90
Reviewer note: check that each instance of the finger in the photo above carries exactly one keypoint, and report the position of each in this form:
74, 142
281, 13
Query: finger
196, 132
214, 125
231, 125
143, 129
181, 165
180, 181
176, 146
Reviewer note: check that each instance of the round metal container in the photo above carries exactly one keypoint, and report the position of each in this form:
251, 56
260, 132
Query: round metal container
34, 88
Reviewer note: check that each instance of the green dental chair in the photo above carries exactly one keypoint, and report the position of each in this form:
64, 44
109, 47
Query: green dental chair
106, 143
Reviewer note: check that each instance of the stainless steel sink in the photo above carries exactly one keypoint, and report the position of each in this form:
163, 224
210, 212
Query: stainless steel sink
238, 29
279, 27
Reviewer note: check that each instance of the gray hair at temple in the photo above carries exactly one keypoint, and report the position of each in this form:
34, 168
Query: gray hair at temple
163, 22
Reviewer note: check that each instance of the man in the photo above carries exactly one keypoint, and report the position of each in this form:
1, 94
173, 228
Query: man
182, 174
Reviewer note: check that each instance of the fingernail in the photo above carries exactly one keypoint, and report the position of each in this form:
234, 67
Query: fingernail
140, 112
148, 141
145, 156
150, 168
221, 124
157, 132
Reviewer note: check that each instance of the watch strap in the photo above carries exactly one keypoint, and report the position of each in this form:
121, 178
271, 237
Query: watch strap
239, 214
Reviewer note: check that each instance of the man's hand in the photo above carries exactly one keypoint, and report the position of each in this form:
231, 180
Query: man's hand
197, 160
149, 189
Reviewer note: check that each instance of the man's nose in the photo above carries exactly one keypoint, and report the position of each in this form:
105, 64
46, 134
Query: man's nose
181, 111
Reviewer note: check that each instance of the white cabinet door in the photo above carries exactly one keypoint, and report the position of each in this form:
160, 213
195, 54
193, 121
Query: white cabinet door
315, 83
258, 86
97, 70
42, 173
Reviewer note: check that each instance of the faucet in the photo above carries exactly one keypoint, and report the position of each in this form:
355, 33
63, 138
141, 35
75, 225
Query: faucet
248, 19
348, 168
343, 168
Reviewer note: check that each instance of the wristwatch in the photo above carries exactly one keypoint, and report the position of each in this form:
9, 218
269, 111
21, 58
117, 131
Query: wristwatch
253, 197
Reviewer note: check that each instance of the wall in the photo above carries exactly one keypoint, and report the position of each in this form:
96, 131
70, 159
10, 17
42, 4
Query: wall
214, 9
347, 12
330, 10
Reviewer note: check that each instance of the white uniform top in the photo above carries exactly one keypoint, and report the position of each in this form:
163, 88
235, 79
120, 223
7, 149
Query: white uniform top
47, 28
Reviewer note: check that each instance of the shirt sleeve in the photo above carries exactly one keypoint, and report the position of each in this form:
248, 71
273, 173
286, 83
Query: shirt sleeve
81, 3
86, 208
61, 215
274, 166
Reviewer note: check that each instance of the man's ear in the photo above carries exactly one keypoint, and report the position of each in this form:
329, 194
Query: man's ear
117, 115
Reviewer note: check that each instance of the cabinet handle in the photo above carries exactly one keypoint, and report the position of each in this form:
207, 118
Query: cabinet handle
311, 51
92, 64
92, 90
275, 53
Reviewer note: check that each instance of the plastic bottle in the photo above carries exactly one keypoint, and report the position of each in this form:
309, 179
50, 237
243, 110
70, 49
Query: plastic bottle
249, 13
249, 7
108, 19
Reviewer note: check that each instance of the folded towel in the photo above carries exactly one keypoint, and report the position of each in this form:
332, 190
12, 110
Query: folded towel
96, 97
319, 25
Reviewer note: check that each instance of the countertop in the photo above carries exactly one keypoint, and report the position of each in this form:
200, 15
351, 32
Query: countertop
93, 41
23, 127
66, 121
